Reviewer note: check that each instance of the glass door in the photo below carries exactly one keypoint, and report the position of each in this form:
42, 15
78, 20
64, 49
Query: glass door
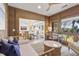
31, 28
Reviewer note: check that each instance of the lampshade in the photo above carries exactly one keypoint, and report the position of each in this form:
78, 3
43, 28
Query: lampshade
13, 30
50, 28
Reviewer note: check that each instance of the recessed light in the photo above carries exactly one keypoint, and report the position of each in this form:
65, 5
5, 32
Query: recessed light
39, 7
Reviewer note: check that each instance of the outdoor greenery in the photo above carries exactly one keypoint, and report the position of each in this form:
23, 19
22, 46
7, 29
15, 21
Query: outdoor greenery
73, 29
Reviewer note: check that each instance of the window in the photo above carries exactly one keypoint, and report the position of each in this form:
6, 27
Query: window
31, 26
70, 25
2, 18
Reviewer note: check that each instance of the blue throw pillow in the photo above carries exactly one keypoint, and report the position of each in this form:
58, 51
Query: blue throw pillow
15, 40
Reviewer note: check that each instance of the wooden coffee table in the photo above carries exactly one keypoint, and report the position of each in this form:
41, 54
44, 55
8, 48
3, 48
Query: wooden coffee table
56, 46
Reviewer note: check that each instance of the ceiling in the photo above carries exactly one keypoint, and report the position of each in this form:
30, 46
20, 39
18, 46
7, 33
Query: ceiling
33, 7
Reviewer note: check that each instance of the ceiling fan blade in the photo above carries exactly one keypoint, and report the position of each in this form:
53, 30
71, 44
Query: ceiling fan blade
48, 8
49, 5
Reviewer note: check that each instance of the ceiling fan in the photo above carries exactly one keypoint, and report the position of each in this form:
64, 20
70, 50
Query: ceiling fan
49, 5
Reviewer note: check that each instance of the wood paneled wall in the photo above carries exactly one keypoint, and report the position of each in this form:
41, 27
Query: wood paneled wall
71, 12
13, 19
47, 23
14, 14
